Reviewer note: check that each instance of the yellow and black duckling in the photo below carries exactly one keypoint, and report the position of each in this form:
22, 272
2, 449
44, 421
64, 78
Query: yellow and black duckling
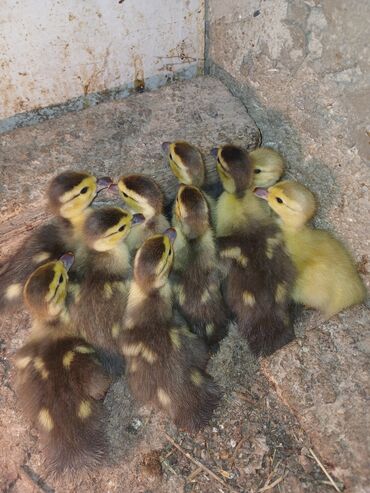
165, 361
60, 383
143, 195
101, 296
260, 273
196, 274
69, 196
327, 279
186, 163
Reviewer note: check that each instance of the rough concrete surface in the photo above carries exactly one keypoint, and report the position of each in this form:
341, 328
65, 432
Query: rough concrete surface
302, 70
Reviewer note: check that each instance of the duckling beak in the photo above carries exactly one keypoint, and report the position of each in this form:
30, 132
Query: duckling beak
165, 147
113, 187
137, 219
171, 234
67, 260
214, 152
103, 183
262, 193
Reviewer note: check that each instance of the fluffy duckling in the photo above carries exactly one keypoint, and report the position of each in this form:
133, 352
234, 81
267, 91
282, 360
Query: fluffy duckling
268, 166
101, 296
327, 279
260, 273
196, 273
143, 195
69, 196
165, 361
186, 163
60, 383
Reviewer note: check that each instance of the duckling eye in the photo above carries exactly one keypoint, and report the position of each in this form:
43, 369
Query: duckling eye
170, 252
278, 199
124, 194
218, 160
84, 190
60, 279
122, 227
257, 171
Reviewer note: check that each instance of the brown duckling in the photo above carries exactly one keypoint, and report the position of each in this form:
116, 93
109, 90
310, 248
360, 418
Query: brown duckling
327, 279
143, 195
186, 163
60, 383
101, 296
260, 273
69, 196
165, 361
196, 273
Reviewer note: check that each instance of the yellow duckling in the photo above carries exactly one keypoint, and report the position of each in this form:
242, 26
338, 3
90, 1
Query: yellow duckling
100, 297
327, 279
60, 383
196, 273
143, 195
260, 274
268, 166
187, 164
165, 361
69, 197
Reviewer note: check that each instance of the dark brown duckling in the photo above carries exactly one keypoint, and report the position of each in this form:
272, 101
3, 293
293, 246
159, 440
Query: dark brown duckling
186, 163
69, 196
101, 296
260, 275
143, 195
196, 273
60, 383
165, 361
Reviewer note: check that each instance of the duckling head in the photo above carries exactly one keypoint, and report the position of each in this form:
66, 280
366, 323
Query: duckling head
154, 260
192, 211
46, 289
71, 192
234, 168
142, 194
292, 201
186, 162
106, 227
268, 166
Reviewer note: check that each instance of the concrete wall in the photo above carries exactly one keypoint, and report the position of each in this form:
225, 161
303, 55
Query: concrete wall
53, 51
302, 70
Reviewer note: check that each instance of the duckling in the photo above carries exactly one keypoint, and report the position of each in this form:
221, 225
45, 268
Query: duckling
143, 195
165, 361
268, 166
196, 270
187, 165
260, 274
327, 279
69, 197
60, 383
101, 296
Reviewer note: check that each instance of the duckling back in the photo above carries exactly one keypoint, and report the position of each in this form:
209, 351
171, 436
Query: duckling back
258, 286
60, 385
165, 366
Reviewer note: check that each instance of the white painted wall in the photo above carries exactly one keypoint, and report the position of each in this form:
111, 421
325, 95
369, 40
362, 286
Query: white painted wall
55, 50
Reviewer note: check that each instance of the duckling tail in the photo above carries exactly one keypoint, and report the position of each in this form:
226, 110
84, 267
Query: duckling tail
201, 396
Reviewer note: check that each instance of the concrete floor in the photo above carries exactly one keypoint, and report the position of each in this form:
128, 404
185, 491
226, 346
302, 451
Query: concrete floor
312, 394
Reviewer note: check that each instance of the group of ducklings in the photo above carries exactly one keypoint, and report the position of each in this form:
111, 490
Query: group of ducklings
113, 290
